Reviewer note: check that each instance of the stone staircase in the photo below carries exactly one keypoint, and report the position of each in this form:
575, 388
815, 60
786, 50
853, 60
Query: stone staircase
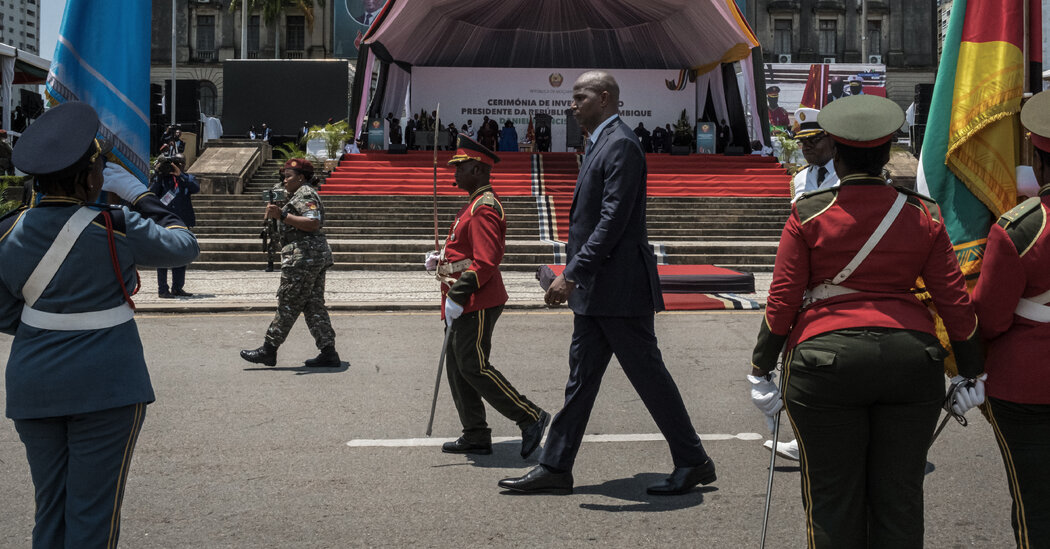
369, 232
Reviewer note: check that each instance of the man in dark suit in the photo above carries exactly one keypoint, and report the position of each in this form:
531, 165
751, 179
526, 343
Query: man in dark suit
611, 284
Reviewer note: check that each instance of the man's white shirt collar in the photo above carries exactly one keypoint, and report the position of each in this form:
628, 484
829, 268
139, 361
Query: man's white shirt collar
598, 131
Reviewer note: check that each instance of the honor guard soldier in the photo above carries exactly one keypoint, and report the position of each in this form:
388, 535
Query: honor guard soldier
863, 370
473, 298
1012, 297
76, 380
305, 259
819, 151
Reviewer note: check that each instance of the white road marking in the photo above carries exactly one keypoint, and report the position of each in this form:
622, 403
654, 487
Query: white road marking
652, 437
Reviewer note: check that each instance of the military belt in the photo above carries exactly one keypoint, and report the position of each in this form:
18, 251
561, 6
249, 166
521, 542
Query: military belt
454, 267
45, 271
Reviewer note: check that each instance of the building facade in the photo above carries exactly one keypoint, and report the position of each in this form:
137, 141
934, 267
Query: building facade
207, 33
902, 34
20, 24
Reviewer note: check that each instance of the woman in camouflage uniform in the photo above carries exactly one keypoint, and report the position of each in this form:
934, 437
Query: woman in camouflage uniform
305, 258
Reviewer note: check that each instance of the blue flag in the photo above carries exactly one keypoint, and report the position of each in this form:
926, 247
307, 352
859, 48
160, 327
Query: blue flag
102, 59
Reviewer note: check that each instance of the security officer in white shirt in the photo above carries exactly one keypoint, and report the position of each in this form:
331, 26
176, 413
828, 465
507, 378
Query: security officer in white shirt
819, 150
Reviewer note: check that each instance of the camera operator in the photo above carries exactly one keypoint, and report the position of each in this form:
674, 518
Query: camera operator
305, 258
173, 146
174, 188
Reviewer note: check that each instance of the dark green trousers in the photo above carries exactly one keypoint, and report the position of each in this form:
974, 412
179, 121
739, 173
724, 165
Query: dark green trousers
864, 404
472, 378
1023, 434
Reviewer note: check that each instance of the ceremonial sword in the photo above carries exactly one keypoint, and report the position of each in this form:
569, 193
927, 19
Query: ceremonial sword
772, 463
437, 382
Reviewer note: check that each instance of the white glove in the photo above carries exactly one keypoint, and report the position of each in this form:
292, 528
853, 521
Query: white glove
431, 261
120, 182
966, 396
452, 311
766, 397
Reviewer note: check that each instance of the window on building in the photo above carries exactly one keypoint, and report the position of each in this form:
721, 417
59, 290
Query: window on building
827, 37
208, 94
205, 34
253, 37
296, 30
782, 36
874, 37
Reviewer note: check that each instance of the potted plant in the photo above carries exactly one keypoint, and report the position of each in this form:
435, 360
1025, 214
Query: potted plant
334, 134
786, 148
682, 140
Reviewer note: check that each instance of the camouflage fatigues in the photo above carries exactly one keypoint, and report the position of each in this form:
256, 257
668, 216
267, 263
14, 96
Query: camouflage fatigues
305, 259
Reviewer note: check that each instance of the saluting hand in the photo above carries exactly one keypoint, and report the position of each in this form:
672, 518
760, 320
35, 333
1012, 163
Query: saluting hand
559, 291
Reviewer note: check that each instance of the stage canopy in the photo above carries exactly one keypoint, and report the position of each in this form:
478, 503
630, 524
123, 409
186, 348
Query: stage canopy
689, 35
18, 67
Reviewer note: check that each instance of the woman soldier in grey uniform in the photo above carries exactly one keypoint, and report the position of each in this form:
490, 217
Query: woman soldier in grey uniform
76, 380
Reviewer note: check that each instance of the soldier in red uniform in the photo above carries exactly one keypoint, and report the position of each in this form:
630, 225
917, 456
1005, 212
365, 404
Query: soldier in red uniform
1011, 300
473, 300
863, 377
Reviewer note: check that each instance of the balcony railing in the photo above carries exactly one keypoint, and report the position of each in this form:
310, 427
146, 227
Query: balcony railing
206, 56
293, 54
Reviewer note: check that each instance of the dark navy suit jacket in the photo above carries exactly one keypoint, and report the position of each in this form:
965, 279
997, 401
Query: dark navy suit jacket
609, 256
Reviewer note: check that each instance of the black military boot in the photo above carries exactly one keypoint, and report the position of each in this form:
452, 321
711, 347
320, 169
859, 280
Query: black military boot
269, 266
267, 354
327, 359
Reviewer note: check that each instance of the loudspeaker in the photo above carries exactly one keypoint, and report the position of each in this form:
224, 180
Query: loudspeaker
680, 150
186, 104
923, 98
397, 148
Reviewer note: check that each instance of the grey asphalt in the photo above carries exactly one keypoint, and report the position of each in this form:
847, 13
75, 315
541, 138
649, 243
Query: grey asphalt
237, 455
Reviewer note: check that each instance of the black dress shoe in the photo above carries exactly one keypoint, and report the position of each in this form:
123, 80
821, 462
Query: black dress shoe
531, 435
683, 479
460, 446
165, 295
267, 354
181, 293
327, 359
539, 481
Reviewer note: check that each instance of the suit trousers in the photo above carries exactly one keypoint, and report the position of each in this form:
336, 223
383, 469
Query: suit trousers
595, 339
178, 279
1023, 434
79, 465
472, 378
864, 403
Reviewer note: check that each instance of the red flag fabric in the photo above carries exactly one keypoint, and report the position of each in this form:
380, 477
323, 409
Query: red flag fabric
816, 92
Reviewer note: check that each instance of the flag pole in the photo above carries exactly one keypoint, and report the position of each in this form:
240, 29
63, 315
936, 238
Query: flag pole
1027, 48
437, 128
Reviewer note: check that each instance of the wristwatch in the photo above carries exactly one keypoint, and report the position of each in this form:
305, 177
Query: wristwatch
284, 214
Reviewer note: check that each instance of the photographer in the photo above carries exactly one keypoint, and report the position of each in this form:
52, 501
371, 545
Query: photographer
305, 258
174, 188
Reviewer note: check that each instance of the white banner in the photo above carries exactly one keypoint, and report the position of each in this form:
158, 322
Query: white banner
466, 93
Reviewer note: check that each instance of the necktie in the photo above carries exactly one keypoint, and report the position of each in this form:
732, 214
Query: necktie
821, 174
368, 18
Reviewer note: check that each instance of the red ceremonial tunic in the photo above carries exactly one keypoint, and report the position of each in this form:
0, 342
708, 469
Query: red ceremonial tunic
479, 234
1018, 362
816, 244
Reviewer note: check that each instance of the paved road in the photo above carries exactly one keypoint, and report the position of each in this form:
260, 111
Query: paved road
237, 456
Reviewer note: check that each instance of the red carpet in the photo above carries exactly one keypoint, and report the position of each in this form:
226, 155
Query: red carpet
551, 177
689, 287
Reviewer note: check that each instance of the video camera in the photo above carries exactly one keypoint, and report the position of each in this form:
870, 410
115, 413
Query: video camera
273, 196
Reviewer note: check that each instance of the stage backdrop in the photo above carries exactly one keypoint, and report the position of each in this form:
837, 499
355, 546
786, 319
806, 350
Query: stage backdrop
653, 97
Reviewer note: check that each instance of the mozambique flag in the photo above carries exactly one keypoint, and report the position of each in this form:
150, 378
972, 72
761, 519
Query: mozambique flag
816, 92
109, 71
973, 141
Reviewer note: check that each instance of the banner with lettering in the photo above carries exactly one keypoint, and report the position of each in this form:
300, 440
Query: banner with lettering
470, 94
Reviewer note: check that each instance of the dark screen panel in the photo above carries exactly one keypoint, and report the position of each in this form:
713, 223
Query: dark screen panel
283, 93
